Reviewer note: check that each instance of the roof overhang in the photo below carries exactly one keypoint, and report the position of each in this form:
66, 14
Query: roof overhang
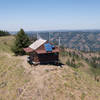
28, 50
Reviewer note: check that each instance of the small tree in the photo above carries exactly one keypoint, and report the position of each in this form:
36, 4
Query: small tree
21, 41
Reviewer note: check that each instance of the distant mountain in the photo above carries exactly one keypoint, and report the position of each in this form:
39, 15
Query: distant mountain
85, 40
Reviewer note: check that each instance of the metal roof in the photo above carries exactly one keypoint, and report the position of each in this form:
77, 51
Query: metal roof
37, 44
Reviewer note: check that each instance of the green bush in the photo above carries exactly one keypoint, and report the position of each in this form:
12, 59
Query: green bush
21, 41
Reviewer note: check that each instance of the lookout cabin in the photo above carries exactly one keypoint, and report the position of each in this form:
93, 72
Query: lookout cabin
41, 51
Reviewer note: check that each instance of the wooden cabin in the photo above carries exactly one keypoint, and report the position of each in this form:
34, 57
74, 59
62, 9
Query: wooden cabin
41, 51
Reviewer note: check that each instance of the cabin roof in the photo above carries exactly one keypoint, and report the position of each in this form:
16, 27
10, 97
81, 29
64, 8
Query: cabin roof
37, 44
44, 51
41, 47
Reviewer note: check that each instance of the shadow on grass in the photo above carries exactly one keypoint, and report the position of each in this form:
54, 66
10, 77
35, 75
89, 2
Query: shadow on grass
58, 64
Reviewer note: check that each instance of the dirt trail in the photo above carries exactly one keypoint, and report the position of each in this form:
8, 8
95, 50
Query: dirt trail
35, 88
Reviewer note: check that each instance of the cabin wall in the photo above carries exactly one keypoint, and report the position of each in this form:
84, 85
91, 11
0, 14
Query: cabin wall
50, 57
43, 58
34, 57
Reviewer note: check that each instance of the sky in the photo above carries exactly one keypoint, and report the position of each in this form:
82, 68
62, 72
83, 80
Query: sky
49, 14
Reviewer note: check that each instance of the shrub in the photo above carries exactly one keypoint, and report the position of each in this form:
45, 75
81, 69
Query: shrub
21, 41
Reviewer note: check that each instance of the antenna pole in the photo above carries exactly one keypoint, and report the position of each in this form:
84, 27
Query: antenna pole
49, 36
37, 36
59, 41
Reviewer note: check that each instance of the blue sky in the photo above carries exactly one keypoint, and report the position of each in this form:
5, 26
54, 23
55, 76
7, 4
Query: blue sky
49, 14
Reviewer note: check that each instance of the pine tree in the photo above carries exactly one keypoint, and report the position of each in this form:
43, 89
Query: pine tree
4, 33
21, 41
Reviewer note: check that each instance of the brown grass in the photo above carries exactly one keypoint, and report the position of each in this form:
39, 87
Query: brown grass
20, 81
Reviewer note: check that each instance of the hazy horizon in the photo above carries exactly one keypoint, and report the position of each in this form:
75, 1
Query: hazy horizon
54, 30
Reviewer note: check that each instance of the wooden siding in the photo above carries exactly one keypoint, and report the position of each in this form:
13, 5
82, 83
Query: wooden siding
52, 57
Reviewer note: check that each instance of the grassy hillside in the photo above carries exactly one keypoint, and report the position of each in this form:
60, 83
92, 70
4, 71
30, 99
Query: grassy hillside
20, 81
12, 72
5, 44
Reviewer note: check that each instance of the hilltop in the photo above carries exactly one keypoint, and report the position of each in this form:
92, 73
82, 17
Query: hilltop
20, 81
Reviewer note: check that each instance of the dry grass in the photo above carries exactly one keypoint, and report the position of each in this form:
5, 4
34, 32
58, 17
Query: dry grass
12, 73
20, 81
6, 43
52, 83
12, 77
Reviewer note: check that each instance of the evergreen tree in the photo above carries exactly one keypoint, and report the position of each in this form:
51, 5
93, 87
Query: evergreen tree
4, 33
21, 41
